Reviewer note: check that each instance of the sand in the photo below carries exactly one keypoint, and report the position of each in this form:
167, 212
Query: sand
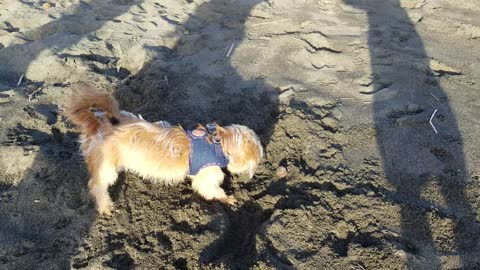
340, 91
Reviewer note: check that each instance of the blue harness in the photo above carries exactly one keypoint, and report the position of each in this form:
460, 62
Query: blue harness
203, 153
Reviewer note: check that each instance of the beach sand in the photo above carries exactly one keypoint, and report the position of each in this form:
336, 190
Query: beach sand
368, 112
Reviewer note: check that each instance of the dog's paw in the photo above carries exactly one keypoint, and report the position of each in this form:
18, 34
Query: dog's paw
105, 210
230, 200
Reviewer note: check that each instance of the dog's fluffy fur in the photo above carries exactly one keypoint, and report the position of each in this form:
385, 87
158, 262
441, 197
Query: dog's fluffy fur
114, 141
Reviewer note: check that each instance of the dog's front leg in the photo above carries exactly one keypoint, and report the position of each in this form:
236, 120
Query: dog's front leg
207, 183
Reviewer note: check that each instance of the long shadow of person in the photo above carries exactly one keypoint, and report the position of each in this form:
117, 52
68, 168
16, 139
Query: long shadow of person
62, 33
197, 82
406, 93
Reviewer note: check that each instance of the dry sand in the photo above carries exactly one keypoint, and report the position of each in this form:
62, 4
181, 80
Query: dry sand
340, 91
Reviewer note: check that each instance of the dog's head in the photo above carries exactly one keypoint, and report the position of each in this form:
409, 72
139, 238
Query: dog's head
242, 147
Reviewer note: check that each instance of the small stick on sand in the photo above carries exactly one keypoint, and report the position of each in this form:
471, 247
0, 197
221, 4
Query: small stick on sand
430, 121
435, 97
230, 50
20, 80
30, 96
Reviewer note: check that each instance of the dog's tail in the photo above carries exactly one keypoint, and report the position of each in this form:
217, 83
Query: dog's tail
87, 103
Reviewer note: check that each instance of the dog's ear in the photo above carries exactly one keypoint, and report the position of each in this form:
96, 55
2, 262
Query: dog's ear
219, 128
201, 127
220, 131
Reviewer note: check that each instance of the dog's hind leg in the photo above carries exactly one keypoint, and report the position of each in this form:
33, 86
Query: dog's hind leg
207, 184
104, 176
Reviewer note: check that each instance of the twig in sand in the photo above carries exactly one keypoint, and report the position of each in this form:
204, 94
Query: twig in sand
30, 96
435, 97
20, 80
230, 50
357, 266
430, 121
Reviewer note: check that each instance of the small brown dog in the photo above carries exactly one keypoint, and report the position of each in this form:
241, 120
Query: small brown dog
114, 141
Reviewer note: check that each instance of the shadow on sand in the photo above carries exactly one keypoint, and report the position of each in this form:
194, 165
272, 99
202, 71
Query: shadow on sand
196, 83
46, 217
406, 94
192, 83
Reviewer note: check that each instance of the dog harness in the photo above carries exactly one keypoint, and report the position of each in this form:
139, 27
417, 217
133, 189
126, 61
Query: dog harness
203, 153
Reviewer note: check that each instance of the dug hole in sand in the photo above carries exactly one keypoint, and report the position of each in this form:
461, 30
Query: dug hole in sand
341, 92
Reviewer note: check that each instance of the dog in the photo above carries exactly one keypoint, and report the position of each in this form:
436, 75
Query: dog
113, 141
